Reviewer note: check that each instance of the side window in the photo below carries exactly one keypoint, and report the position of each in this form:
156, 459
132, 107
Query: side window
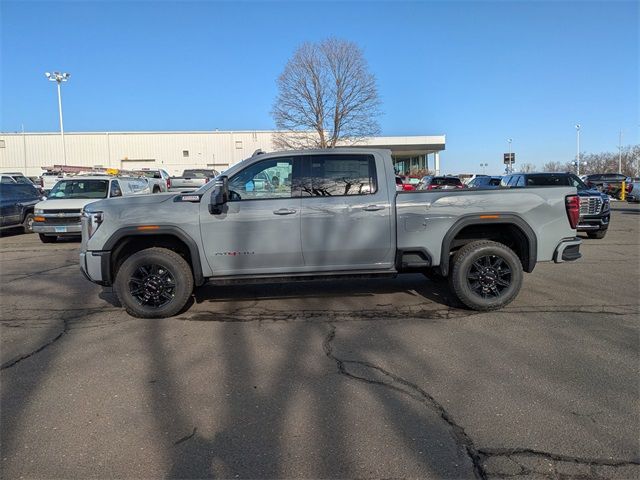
115, 190
267, 179
513, 180
505, 181
520, 181
339, 175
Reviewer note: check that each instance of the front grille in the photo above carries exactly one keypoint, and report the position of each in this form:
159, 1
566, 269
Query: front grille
590, 205
62, 221
63, 210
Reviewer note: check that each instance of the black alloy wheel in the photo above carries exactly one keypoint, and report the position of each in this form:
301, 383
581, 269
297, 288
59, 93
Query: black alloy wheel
152, 285
485, 275
489, 276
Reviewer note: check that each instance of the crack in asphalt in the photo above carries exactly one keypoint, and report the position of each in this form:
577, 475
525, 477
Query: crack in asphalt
22, 277
68, 324
325, 316
478, 456
15, 361
412, 390
517, 455
186, 437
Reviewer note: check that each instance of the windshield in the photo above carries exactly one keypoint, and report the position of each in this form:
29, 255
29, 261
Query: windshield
79, 189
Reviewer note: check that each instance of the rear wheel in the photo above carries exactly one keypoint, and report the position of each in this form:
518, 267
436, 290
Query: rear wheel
156, 190
48, 238
599, 234
154, 283
486, 275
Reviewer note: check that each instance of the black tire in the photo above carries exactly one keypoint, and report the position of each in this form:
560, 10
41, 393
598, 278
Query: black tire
156, 190
162, 278
434, 275
486, 275
27, 224
48, 238
599, 234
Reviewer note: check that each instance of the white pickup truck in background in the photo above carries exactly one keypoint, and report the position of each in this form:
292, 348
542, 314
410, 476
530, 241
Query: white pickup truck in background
192, 179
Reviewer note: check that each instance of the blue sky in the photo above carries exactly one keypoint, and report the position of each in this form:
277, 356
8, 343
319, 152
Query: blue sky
479, 72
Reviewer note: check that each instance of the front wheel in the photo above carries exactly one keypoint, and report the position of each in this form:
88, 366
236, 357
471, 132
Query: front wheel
27, 224
486, 275
154, 283
599, 234
48, 238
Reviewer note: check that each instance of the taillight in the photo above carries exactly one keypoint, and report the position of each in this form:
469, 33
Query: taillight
459, 186
572, 203
430, 187
629, 188
407, 187
168, 183
206, 180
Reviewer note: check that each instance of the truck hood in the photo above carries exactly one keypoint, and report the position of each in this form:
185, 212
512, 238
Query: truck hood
67, 204
132, 201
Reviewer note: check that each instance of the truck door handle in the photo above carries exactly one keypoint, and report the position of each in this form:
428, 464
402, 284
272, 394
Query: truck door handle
373, 208
284, 211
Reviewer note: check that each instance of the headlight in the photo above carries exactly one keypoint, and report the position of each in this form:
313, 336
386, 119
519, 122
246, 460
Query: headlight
94, 219
38, 211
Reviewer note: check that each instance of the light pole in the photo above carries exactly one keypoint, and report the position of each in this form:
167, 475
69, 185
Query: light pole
620, 152
484, 166
59, 78
509, 140
578, 149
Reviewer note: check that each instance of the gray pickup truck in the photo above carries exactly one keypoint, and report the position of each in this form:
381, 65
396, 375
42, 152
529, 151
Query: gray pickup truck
192, 179
322, 214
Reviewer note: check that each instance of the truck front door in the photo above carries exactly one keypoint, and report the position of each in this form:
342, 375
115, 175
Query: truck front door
259, 229
346, 213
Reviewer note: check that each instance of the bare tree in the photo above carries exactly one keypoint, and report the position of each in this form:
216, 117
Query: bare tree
527, 168
326, 97
555, 167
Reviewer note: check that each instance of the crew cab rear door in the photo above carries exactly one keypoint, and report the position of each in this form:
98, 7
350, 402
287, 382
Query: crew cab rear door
259, 231
346, 212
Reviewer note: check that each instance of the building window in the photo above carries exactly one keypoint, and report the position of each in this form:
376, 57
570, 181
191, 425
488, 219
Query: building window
238, 144
185, 153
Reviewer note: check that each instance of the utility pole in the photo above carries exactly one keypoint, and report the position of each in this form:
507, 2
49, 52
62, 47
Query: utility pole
509, 140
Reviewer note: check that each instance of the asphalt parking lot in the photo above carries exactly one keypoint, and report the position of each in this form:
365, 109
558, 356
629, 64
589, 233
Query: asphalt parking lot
368, 379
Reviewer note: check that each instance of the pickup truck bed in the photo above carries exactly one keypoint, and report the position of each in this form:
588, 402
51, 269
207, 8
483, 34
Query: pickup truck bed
323, 214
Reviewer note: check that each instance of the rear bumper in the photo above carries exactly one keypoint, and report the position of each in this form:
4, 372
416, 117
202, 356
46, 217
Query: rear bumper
568, 250
95, 266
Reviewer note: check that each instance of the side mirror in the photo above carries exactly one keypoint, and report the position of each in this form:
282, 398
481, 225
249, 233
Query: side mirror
219, 195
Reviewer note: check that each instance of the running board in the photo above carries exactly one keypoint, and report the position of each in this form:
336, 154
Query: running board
301, 277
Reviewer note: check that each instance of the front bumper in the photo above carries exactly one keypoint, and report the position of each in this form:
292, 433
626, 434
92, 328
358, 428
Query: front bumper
96, 267
568, 250
72, 229
589, 224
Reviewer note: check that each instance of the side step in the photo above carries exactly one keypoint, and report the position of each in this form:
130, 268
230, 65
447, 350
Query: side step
301, 277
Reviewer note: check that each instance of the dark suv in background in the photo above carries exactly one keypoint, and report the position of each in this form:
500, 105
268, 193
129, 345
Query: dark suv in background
595, 210
609, 183
16, 205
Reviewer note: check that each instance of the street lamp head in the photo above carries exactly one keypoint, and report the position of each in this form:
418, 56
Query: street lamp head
47, 74
577, 126
57, 76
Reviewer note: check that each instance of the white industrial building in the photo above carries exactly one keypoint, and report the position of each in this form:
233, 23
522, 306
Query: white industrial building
175, 151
